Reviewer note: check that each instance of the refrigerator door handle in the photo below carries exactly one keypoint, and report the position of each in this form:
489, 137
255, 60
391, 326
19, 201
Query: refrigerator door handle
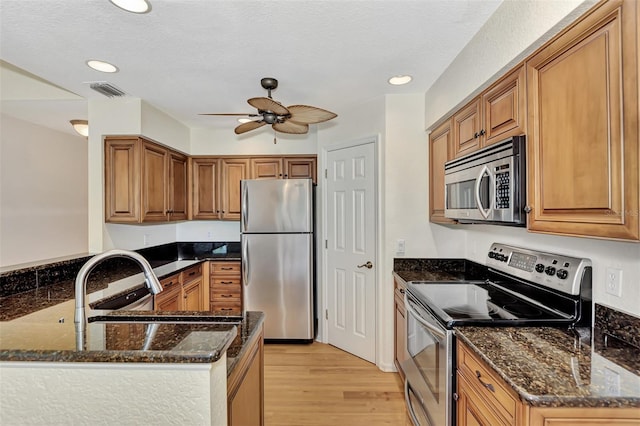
245, 262
245, 207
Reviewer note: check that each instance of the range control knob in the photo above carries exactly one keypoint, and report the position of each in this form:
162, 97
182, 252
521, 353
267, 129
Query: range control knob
550, 270
562, 274
492, 254
540, 268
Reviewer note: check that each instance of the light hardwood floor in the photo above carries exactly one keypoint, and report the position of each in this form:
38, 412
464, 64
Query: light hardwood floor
318, 384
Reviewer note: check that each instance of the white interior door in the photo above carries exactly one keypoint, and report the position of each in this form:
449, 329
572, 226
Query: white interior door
351, 249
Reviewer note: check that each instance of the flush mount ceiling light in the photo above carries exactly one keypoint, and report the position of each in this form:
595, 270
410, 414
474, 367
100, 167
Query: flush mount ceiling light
399, 80
133, 6
81, 127
101, 66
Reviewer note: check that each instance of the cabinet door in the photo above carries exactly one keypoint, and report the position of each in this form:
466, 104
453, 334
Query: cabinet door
582, 132
206, 188
177, 197
300, 167
439, 152
154, 182
245, 405
193, 295
266, 168
233, 171
504, 108
466, 129
400, 344
122, 180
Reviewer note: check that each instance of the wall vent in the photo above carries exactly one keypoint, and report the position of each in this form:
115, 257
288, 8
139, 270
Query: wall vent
106, 89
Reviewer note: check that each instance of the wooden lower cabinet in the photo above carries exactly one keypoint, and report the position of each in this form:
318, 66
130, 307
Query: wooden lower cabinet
225, 288
183, 291
400, 328
245, 387
484, 399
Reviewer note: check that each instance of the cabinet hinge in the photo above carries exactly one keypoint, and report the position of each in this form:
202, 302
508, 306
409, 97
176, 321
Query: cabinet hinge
326, 314
326, 174
326, 244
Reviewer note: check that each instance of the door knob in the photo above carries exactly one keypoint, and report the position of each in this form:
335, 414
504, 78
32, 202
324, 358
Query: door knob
367, 265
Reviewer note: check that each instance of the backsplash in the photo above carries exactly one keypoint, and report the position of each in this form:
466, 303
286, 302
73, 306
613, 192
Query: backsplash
45, 275
610, 323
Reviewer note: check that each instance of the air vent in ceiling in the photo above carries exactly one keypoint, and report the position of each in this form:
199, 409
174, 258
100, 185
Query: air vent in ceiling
106, 89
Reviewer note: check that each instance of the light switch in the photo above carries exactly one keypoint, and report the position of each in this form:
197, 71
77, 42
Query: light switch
399, 246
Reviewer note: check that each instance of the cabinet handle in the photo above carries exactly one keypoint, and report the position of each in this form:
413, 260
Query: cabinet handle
486, 385
402, 291
482, 132
226, 282
226, 309
192, 273
227, 269
226, 295
475, 135
527, 209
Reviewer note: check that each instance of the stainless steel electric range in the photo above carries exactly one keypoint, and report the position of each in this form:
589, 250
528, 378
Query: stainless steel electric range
524, 288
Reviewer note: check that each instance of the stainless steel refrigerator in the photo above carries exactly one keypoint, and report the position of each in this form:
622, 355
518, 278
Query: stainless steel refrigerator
278, 255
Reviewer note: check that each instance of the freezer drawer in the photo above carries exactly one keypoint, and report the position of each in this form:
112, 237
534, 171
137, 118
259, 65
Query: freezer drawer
278, 280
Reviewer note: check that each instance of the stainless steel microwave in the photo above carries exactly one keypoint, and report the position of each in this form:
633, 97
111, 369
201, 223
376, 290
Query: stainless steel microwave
488, 185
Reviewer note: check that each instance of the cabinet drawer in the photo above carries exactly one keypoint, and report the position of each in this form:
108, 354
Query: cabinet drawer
192, 273
225, 293
487, 384
222, 283
171, 282
225, 268
226, 308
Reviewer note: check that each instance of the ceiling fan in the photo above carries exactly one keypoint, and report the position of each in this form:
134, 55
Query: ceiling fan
294, 119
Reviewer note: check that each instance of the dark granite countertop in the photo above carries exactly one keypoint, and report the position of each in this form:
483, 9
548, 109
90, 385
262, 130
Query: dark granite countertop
152, 337
551, 367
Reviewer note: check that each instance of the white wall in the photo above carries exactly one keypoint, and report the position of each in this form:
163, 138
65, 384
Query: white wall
43, 193
500, 40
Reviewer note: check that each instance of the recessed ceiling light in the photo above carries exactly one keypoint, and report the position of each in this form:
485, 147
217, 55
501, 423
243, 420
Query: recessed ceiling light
400, 79
102, 66
134, 6
244, 120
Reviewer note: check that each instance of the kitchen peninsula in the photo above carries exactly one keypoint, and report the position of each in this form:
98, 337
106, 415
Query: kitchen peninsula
145, 368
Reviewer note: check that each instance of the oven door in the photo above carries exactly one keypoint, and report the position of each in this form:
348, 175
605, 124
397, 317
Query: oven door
429, 369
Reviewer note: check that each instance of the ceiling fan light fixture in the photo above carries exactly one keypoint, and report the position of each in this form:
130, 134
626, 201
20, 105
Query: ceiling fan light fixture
81, 127
133, 6
399, 80
101, 66
244, 120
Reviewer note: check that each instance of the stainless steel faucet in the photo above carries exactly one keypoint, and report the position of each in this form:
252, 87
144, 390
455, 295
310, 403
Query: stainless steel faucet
80, 318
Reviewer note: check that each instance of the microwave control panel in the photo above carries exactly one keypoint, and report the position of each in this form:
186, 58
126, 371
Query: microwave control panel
503, 187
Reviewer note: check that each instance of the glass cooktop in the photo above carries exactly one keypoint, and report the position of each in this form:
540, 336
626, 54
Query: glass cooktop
482, 303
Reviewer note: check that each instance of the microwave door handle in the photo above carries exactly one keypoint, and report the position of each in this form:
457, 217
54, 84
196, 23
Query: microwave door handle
483, 212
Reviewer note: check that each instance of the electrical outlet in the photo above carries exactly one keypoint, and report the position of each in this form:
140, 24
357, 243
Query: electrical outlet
145, 239
611, 382
209, 234
613, 282
400, 246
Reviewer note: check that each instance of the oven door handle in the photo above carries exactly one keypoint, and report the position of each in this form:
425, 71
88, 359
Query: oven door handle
436, 330
410, 410
483, 212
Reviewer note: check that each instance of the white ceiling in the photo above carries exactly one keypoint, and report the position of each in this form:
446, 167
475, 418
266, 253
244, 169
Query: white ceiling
187, 57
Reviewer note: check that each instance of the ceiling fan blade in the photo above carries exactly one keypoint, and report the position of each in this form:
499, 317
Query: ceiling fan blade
290, 127
251, 125
309, 115
266, 104
234, 114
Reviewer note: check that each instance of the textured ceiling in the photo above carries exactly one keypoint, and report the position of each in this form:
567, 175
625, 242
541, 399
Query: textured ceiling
187, 57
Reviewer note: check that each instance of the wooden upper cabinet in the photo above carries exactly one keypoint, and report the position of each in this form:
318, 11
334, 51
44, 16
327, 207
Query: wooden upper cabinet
144, 181
504, 106
205, 185
122, 180
583, 128
300, 168
233, 171
466, 129
498, 113
154, 182
266, 168
178, 184
440, 143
